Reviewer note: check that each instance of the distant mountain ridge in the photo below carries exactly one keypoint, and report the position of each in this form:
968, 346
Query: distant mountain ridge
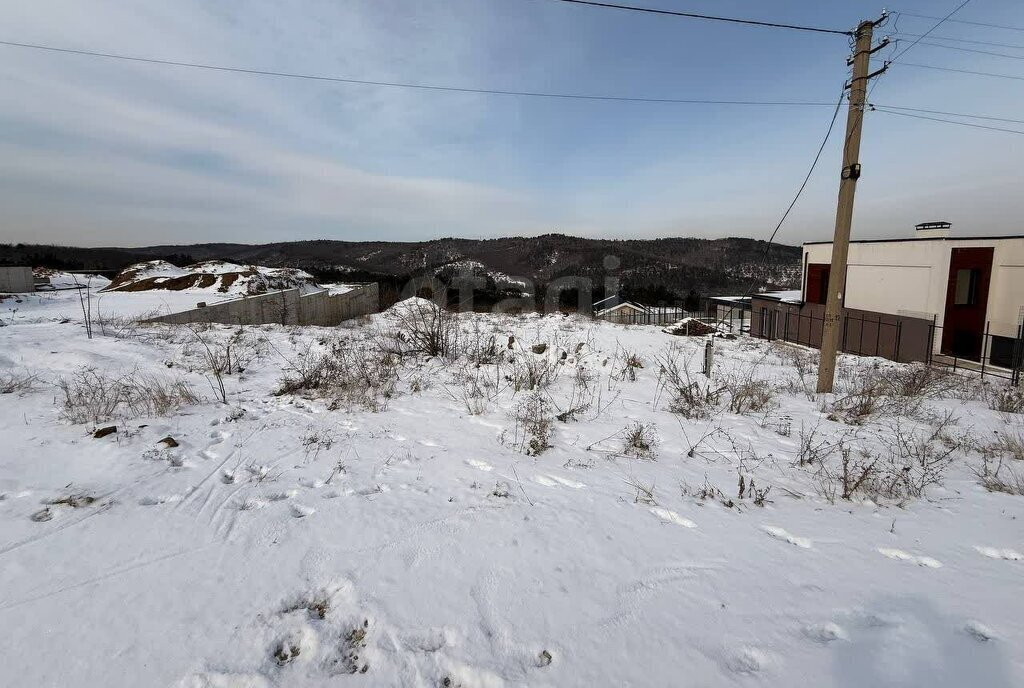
653, 269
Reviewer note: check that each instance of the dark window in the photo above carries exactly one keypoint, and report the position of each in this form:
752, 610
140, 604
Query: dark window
966, 293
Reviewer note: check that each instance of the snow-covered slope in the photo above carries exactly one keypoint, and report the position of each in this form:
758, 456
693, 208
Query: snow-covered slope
301, 539
212, 276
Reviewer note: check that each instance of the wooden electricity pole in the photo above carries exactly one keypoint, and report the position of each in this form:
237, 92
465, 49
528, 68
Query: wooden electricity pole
844, 213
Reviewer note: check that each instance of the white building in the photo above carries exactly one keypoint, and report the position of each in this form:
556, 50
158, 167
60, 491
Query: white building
968, 287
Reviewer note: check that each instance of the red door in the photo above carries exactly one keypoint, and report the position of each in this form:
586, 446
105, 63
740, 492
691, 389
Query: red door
970, 270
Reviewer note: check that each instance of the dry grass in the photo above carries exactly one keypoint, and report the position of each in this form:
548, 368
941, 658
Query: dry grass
91, 396
18, 382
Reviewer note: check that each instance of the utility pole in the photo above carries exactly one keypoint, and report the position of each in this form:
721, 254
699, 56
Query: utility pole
858, 86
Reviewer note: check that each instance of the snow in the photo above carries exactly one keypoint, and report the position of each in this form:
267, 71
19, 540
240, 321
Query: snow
283, 543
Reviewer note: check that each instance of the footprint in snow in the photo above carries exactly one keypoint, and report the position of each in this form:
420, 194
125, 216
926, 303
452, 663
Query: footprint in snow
825, 632
979, 631
669, 516
302, 511
479, 465
156, 500
785, 536
996, 553
747, 660
906, 556
554, 481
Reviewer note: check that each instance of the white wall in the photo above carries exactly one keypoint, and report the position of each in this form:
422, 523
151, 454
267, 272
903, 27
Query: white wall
910, 278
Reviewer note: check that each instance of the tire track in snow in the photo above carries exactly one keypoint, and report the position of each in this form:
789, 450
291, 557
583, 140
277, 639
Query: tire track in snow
113, 573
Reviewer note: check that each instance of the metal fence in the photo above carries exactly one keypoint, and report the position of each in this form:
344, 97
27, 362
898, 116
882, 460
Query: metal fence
897, 339
988, 354
655, 315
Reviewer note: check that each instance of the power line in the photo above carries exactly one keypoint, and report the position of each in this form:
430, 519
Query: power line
691, 15
949, 121
394, 84
961, 71
964, 21
961, 40
940, 22
810, 171
951, 114
972, 50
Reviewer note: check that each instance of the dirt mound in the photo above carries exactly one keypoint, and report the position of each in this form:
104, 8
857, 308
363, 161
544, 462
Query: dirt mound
215, 276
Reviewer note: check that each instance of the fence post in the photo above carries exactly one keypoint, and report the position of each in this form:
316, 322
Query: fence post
1018, 354
846, 322
899, 340
984, 344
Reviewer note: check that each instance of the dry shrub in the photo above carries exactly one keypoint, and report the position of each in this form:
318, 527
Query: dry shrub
18, 381
749, 395
689, 397
907, 463
627, 363
533, 371
224, 356
896, 390
348, 375
533, 420
1006, 399
91, 396
641, 440
422, 327
995, 475
1007, 443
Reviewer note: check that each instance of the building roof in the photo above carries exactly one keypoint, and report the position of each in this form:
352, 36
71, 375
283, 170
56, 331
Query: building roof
889, 241
623, 304
788, 296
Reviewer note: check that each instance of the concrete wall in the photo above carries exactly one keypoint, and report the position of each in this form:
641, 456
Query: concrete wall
16, 280
288, 307
910, 278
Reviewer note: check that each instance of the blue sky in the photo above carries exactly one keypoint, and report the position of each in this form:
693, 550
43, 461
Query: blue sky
100, 152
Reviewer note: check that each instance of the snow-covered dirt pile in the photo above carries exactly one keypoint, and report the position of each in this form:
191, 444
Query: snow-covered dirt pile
485, 500
215, 276
58, 279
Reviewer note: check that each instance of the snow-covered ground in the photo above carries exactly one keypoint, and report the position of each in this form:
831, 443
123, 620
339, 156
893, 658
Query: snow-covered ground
304, 540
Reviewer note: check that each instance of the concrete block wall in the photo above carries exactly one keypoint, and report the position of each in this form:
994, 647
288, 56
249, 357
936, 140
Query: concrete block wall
288, 307
15, 280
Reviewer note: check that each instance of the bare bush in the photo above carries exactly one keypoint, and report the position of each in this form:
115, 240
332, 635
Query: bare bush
907, 464
348, 375
422, 327
533, 371
896, 390
689, 397
226, 356
533, 420
90, 396
641, 440
626, 364
1006, 399
995, 475
815, 446
18, 381
1007, 443
921, 381
805, 364
582, 395
750, 395
642, 493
